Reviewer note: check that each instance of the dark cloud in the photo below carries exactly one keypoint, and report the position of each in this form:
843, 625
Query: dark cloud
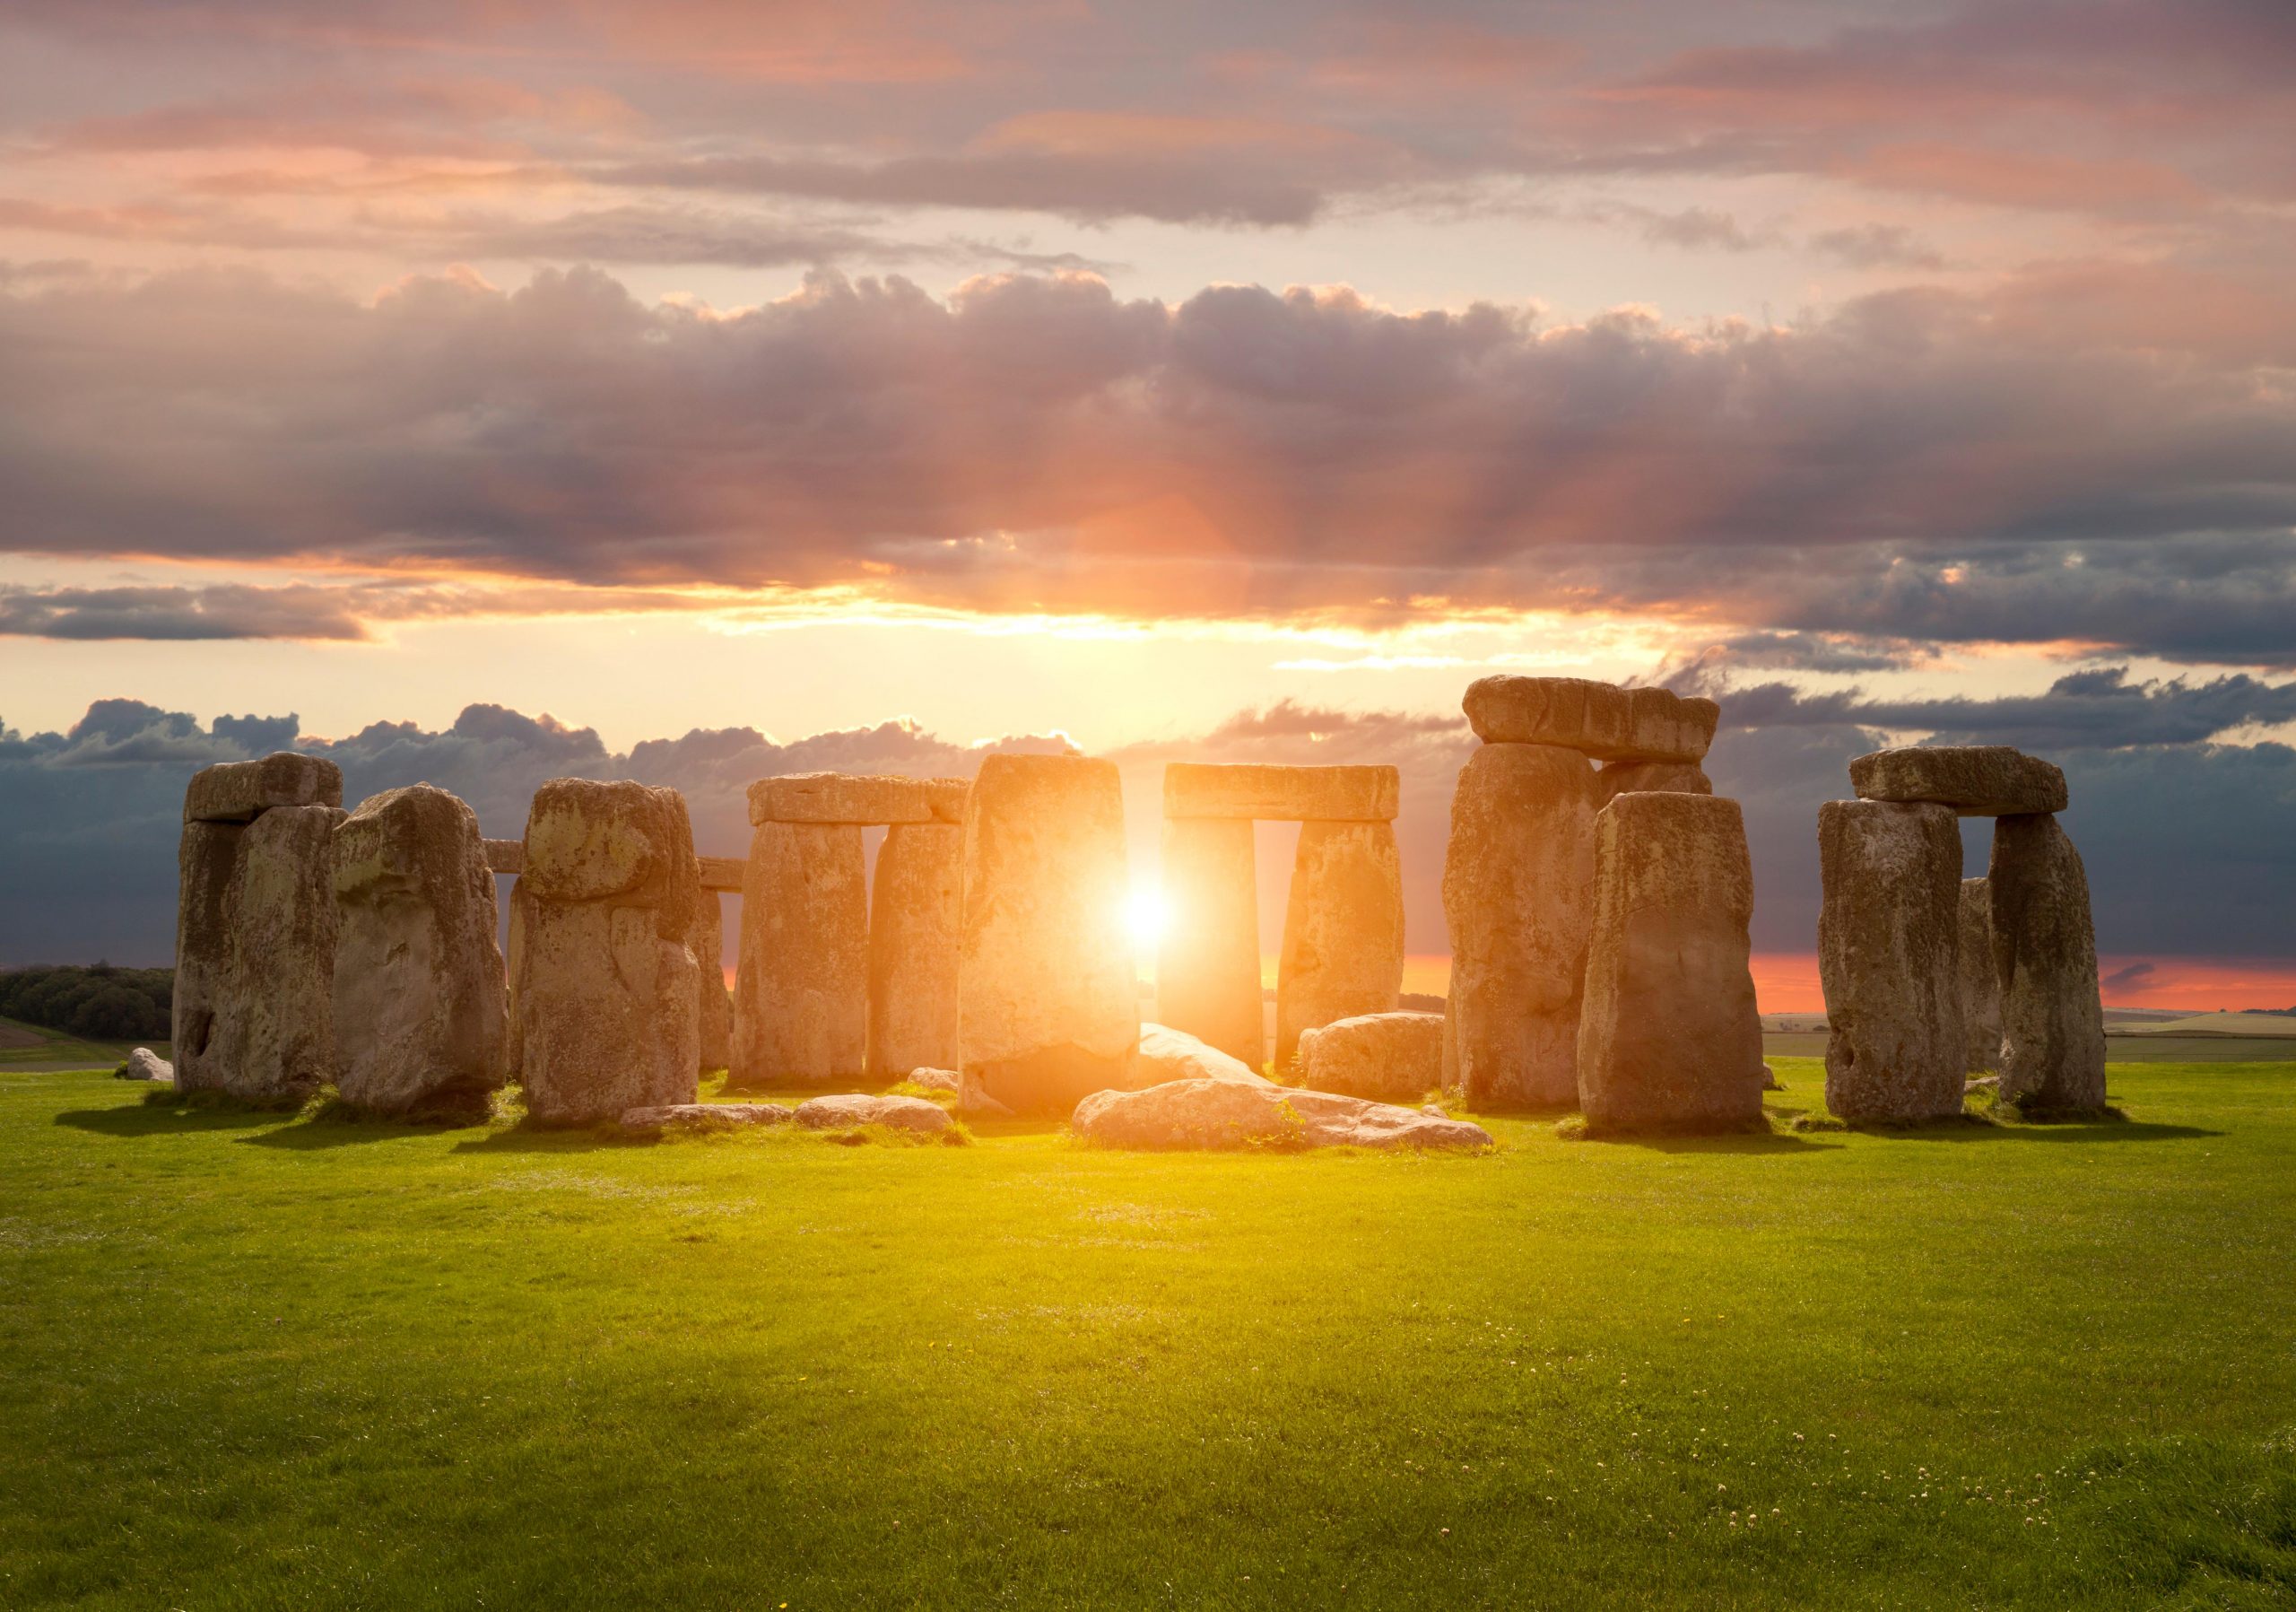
222, 611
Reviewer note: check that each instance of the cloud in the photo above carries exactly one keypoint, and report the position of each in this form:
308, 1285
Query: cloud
2126, 980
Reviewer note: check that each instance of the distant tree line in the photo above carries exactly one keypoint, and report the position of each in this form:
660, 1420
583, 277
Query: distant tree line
93, 1001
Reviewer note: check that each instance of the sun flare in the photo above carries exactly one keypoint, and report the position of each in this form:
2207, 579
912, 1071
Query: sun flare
1147, 914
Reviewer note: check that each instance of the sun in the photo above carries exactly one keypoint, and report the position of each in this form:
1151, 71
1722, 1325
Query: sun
1147, 913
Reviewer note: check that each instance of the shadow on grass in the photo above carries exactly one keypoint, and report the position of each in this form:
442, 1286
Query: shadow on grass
153, 1119
1746, 1141
333, 1126
2054, 1130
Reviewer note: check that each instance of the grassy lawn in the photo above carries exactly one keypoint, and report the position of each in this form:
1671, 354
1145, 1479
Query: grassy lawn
266, 1361
34, 1047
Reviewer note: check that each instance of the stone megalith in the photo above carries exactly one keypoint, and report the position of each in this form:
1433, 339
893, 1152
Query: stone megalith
1889, 944
607, 1019
1049, 1005
800, 1010
1342, 930
1517, 893
205, 858
1977, 780
1670, 1037
1386, 1056
713, 1003
2045, 960
1599, 720
916, 910
1646, 778
1207, 960
421, 1005
1980, 991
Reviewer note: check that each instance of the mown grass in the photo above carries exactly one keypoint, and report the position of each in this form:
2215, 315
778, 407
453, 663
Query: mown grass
287, 1360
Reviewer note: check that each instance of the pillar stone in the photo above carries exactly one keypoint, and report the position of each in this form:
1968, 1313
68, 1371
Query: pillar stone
1342, 930
1517, 892
2045, 960
420, 1002
1047, 994
916, 910
1670, 1037
713, 1003
801, 1012
1207, 961
607, 1017
1889, 959
1980, 991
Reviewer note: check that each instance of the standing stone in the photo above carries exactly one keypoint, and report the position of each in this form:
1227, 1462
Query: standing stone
271, 1039
1049, 999
2045, 958
606, 970
1342, 930
915, 911
1207, 960
520, 924
801, 1012
713, 1005
1517, 893
1670, 1037
1889, 944
1646, 778
420, 1001
1980, 990
205, 858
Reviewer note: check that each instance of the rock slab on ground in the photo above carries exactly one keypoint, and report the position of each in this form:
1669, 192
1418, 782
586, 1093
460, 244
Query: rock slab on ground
1669, 1036
1888, 943
1282, 794
1599, 720
706, 1115
2045, 960
1165, 1054
1977, 780
144, 1064
1386, 1056
851, 1109
1205, 1114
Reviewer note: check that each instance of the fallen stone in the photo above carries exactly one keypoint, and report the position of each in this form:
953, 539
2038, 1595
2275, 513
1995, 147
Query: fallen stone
937, 1080
1517, 893
1387, 1057
838, 797
1651, 778
1984, 1083
269, 1037
1281, 794
2045, 958
706, 1115
1769, 1080
603, 925
1669, 1036
1980, 991
852, 1108
801, 1008
1166, 1054
1595, 718
1977, 780
713, 1003
1342, 930
916, 910
1207, 959
241, 792
144, 1064
420, 1003
1889, 938
1196, 1114
1048, 1004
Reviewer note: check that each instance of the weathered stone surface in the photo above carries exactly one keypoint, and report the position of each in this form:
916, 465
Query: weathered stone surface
713, 1003
205, 858
840, 797
603, 923
420, 999
1595, 718
945, 797
1387, 1057
1517, 893
1252, 789
1977, 780
723, 873
1888, 942
1980, 990
506, 855
801, 1003
1669, 1036
703, 1117
936, 1080
1342, 930
850, 1108
2045, 959
916, 910
1166, 1054
1194, 1114
514, 956
1207, 960
267, 1035
144, 1064
1047, 1002
240, 791
1651, 778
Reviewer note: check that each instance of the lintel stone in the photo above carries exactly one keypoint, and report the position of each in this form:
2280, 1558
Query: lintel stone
1599, 720
841, 797
1977, 780
240, 791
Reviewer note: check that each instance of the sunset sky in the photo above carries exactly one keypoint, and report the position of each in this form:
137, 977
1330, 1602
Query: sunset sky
1222, 381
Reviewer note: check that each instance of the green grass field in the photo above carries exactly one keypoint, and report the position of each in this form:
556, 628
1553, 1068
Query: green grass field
268, 1361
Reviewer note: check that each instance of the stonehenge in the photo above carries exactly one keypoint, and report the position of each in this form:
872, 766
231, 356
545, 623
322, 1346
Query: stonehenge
1928, 977
1049, 1011
1669, 1036
1387, 1057
1518, 873
915, 905
1342, 930
253, 1013
419, 1000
